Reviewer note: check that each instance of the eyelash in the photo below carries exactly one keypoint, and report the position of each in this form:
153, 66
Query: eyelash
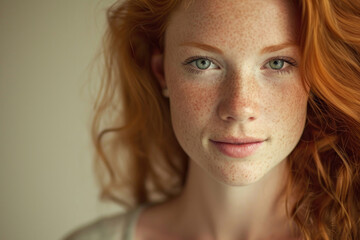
285, 70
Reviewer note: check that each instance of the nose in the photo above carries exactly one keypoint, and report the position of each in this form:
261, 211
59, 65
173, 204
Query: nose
239, 99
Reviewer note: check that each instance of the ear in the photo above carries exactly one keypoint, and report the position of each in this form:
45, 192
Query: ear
157, 67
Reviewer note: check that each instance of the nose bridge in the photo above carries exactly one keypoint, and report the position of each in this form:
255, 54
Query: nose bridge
241, 86
240, 97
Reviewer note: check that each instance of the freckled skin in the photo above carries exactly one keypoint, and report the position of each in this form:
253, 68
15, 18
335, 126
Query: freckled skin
239, 95
240, 98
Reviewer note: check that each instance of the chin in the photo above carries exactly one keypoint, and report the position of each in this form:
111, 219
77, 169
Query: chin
235, 175
240, 181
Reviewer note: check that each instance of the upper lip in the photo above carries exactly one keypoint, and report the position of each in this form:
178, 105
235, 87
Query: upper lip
242, 140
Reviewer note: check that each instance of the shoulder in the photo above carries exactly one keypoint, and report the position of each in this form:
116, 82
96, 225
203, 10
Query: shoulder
105, 228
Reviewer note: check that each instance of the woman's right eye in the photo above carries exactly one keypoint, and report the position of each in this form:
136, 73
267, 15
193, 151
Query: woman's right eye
201, 64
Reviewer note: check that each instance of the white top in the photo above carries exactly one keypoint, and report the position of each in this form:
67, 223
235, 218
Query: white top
117, 227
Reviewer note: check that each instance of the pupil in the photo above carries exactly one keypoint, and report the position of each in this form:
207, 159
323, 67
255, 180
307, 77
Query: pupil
203, 63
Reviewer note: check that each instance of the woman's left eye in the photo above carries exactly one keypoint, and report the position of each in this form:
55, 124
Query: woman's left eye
281, 64
276, 64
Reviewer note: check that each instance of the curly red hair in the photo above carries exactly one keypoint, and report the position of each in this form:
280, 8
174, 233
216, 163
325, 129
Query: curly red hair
144, 162
325, 165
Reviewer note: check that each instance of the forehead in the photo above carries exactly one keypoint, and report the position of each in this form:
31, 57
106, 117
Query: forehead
229, 22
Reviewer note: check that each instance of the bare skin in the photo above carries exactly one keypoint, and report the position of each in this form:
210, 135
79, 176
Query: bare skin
260, 214
231, 71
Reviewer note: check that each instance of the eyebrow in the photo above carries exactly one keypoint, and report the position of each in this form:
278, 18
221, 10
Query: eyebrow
269, 49
203, 46
274, 48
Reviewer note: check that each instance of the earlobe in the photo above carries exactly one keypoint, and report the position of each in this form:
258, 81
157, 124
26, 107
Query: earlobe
157, 67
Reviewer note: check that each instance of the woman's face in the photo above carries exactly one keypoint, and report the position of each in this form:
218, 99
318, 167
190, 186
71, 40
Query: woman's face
237, 103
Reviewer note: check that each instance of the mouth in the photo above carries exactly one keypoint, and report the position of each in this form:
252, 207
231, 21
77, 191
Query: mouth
238, 148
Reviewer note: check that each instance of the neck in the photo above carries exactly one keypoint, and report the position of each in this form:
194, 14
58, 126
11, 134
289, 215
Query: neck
209, 209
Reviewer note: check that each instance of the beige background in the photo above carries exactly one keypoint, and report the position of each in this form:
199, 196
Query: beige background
47, 186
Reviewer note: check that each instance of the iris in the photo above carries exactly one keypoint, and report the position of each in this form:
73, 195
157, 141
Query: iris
276, 64
203, 63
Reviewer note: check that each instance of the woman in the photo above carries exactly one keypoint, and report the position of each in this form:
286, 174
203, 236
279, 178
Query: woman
241, 120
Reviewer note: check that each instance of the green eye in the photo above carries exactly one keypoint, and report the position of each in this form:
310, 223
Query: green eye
203, 63
276, 64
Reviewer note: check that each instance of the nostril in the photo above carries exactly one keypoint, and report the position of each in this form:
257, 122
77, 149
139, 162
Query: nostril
230, 118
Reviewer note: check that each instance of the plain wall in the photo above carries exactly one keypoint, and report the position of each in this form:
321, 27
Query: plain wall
47, 185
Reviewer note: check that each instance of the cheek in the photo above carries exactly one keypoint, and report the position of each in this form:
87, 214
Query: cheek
290, 112
297, 104
191, 102
191, 110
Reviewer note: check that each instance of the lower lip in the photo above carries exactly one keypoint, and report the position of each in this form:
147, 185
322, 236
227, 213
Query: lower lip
237, 150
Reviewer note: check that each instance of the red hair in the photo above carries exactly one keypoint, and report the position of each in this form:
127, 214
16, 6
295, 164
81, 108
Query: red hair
156, 165
325, 166
143, 161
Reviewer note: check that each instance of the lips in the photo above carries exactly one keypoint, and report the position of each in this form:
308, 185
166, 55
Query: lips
238, 147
